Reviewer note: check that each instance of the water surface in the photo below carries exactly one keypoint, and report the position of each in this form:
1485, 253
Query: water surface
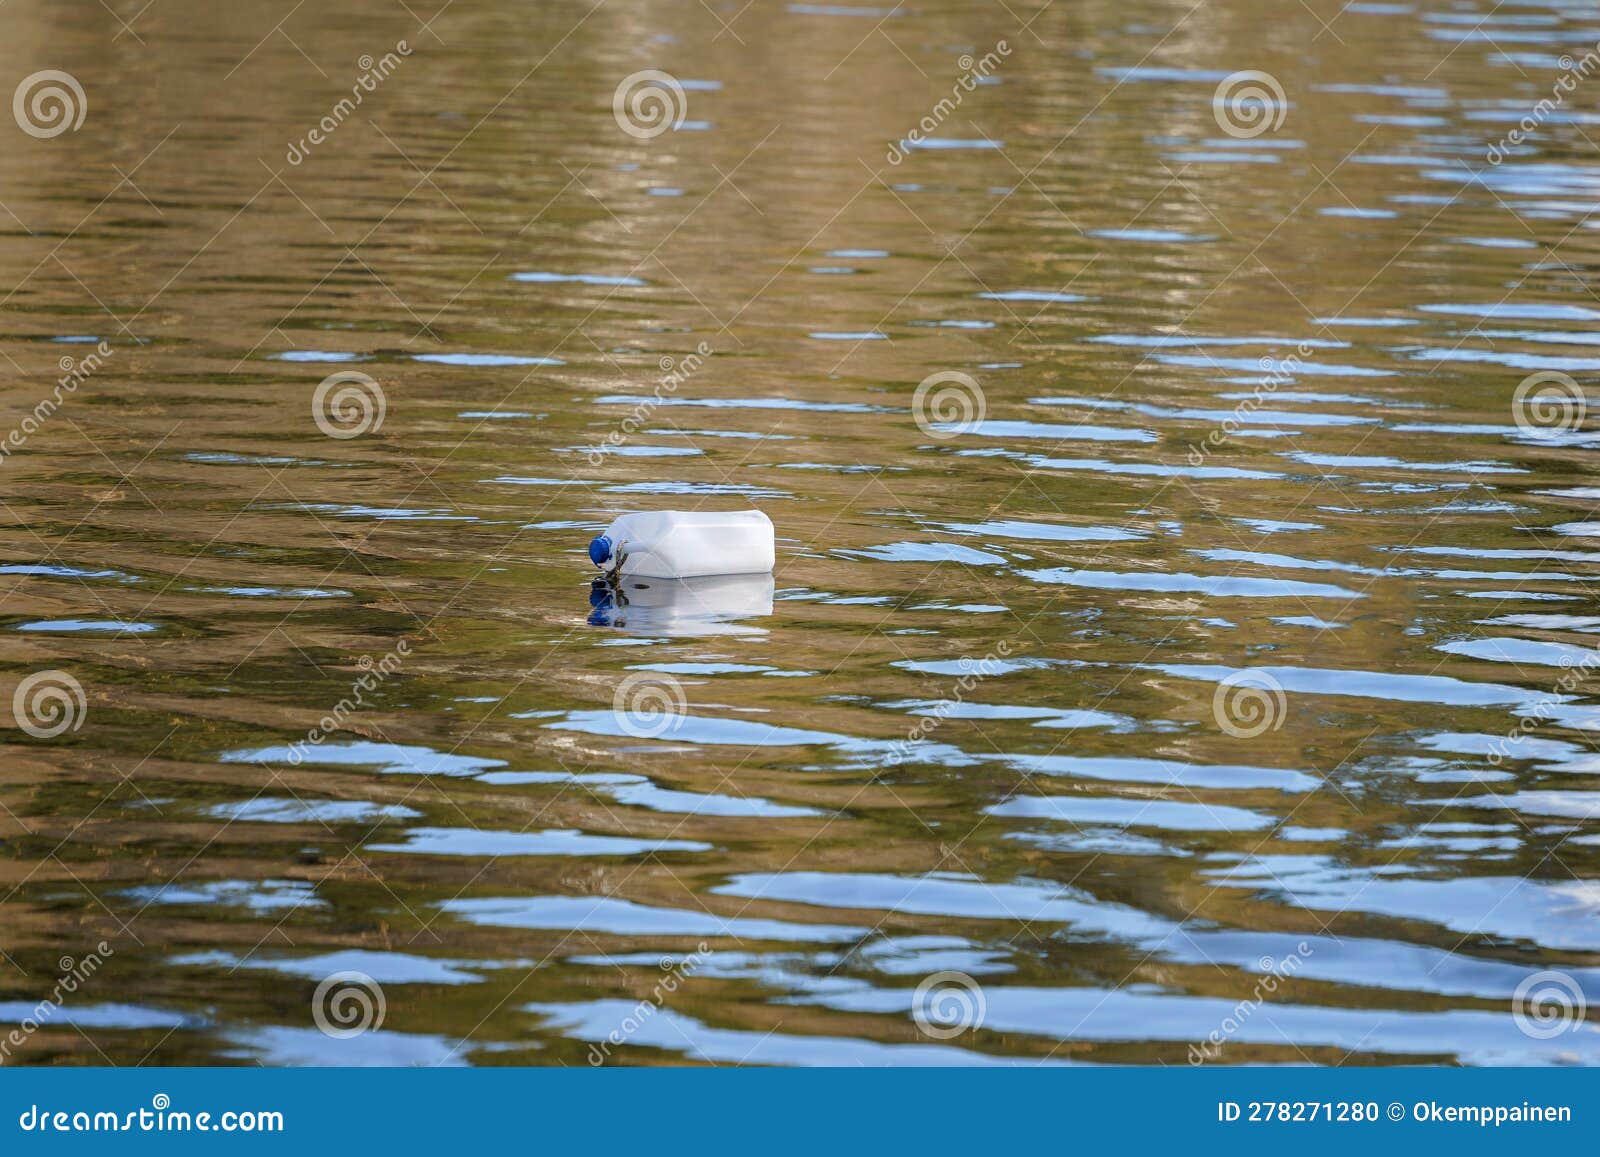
351, 705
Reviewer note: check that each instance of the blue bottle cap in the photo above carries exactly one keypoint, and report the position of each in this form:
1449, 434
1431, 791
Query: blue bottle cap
600, 550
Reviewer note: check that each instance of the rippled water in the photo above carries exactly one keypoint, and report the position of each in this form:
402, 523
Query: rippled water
1222, 690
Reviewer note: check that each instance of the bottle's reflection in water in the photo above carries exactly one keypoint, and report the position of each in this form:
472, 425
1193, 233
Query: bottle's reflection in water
698, 606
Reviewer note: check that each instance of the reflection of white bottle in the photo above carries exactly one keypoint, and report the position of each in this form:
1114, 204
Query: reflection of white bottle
686, 544
682, 608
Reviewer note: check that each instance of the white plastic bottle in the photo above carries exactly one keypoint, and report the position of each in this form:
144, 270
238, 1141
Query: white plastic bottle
677, 544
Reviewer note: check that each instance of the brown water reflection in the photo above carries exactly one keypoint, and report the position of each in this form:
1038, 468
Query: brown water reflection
1246, 633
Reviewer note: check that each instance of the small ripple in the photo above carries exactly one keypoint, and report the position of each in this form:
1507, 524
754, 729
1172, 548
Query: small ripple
485, 360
